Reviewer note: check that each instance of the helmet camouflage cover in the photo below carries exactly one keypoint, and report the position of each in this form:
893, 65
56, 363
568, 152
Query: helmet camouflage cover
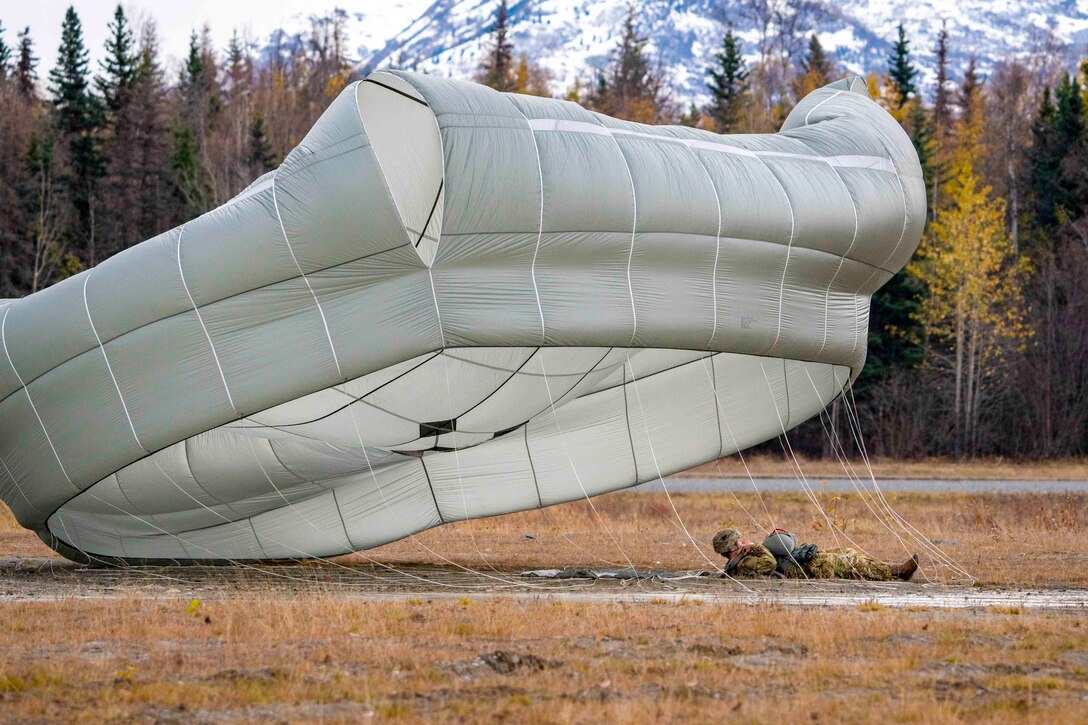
725, 540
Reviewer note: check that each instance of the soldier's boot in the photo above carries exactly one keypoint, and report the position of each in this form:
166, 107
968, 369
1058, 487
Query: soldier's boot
906, 570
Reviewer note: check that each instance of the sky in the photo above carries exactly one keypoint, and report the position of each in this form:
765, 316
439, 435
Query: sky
176, 19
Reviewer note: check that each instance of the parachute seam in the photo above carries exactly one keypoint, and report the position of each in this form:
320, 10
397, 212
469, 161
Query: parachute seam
540, 223
336, 503
875, 268
532, 468
874, 163
789, 249
290, 249
430, 486
627, 417
18, 487
200, 319
430, 215
487, 397
437, 311
202, 487
902, 235
717, 247
836, 93
256, 537
394, 90
360, 399
565, 393
117, 387
48, 438
634, 231
283, 465
842, 261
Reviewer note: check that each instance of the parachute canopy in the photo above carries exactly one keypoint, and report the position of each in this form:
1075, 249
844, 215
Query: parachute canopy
450, 302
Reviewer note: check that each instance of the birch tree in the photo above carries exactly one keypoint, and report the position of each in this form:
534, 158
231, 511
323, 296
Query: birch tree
973, 315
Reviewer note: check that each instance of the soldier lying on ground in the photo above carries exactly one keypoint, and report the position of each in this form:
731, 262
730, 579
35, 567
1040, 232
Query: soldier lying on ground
748, 559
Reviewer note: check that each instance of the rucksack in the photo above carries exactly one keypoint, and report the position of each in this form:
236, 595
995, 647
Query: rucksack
781, 543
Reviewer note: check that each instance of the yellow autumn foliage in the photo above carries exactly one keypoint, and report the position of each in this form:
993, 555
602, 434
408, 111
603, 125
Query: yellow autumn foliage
974, 314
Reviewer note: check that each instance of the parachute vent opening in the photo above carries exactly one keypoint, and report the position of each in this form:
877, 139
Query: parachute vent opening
404, 134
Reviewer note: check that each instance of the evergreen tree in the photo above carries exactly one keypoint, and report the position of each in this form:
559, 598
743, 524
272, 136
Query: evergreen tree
728, 86
1069, 125
198, 105
1069, 113
26, 75
629, 89
78, 117
901, 71
120, 65
941, 119
497, 69
817, 61
1045, 162
5, 56
692, 117
261, 158
970, 95
150, 131
921, 135
816, 68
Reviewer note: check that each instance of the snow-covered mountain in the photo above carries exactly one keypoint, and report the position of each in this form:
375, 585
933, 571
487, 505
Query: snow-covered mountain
569, 37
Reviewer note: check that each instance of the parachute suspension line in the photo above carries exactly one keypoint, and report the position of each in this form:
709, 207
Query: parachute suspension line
112, 565
304, 554
540, 310
415, 539
723, 419
661, 479
855, 426
840, 455
799, 472
498, 575
307, 520
234, 562
865, 496
574, 470
910, 530
882, 503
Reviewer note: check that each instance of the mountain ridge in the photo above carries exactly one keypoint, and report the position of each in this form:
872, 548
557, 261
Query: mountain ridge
572, 37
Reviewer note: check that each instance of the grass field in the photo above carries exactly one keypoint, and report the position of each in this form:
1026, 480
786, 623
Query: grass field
171, 651
1067, 469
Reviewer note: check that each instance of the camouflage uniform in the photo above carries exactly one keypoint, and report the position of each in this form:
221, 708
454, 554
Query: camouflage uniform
753, 560
843, 564
749, 559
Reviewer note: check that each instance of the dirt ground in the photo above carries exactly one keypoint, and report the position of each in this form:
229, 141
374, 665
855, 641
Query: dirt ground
440, 627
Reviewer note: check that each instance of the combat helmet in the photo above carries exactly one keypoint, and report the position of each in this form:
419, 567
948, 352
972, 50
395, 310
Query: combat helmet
725, 540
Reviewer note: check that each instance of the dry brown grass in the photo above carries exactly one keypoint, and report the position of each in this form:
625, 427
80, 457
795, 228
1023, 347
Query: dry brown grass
1011, 540
313, 658
251, 651
1022, 540
1064, 469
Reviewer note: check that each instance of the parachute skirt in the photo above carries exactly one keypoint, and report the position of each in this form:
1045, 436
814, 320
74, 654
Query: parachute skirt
450, 303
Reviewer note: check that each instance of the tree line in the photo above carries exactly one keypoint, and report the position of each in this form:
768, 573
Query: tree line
94, 160
978, 347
